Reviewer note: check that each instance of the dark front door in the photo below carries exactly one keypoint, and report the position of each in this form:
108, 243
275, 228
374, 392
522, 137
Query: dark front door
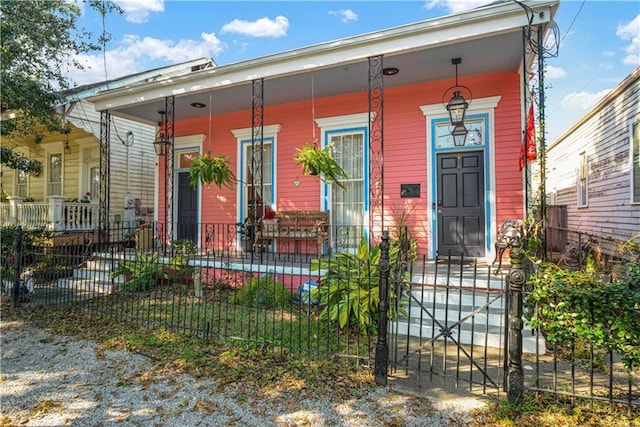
187, 210
461, 204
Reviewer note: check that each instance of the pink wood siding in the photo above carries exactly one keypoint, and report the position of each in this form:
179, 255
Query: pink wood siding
404, 148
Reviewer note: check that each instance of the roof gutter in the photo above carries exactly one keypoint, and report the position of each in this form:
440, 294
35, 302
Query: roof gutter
614, 93
451, 29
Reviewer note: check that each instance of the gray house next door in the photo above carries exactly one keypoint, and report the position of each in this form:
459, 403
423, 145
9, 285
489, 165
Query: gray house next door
461, 204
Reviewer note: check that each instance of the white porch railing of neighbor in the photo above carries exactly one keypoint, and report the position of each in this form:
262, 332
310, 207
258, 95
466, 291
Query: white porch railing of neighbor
56, 214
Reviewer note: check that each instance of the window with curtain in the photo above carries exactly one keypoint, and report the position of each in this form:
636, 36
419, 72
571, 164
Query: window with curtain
635, 156
347, 207
55, 174
582, 180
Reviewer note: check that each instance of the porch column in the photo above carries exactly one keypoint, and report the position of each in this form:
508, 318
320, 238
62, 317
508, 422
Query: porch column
14, 201
376, 149
169, 164
56, 213
105, 182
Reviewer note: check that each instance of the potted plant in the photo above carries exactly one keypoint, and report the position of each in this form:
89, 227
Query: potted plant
316, 161
211, 169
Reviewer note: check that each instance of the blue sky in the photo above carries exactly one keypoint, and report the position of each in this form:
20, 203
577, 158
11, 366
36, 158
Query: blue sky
600, 40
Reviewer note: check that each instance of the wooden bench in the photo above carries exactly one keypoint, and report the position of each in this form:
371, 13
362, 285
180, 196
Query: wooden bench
295, 226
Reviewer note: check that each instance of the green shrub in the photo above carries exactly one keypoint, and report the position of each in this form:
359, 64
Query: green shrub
31, 244
578, 307
349, 289
178, 269
262, 292
141, 273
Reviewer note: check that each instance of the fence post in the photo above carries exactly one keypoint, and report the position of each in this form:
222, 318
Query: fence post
14, 201
382, 346
56, 213
17, 267
517, 278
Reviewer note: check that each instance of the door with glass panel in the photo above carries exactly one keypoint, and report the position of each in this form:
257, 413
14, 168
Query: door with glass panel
460, 205
347, 207
257, 179
186, 197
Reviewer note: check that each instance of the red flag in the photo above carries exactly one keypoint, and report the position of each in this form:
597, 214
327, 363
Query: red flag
528, 148
532, 152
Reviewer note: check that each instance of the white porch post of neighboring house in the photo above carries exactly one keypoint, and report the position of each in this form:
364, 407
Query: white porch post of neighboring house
56, 217
14, 201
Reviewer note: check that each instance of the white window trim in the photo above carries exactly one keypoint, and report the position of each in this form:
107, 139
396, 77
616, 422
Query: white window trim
580, 203
344, 122
16, 183
16, 173
478, 106
48, 176
632, 122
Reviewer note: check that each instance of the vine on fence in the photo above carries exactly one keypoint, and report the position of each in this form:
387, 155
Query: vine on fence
578, 307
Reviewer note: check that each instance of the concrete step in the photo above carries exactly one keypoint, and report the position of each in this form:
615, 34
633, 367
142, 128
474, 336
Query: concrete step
86, 273
90, 285
440, 303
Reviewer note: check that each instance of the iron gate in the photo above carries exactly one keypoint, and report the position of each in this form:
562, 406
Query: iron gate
453, 324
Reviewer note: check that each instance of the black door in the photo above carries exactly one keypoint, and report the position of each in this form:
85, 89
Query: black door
187, 226
461, 204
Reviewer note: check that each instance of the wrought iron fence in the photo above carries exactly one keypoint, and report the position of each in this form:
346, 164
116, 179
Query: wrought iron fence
451, 322
587, 302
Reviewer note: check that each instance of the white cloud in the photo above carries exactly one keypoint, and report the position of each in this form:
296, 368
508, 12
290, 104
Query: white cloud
136, 54
631, 31
454, 6
137, 11
571, 108
582, 100
263, 27
608, 53
555, 72
345, 15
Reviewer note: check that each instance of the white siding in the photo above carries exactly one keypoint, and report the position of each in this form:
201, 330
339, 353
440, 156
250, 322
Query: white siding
604, 137
132, 167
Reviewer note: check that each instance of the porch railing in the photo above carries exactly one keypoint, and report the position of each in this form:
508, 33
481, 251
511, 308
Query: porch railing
55, 214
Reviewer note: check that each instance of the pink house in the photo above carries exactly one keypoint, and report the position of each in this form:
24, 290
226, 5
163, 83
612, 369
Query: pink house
381, 100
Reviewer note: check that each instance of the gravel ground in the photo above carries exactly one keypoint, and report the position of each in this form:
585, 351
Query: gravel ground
48, 380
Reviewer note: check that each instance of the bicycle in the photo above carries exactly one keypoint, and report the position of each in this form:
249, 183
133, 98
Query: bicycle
575, 256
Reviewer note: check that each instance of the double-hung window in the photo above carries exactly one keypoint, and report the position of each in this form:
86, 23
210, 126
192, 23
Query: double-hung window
22, 183
582, 180
349, 208
635, 159
55, 174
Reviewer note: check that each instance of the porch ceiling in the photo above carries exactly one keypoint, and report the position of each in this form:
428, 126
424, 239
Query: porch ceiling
487, 40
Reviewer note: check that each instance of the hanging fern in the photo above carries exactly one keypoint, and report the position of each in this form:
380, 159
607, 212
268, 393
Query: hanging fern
208, 170
320, 162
